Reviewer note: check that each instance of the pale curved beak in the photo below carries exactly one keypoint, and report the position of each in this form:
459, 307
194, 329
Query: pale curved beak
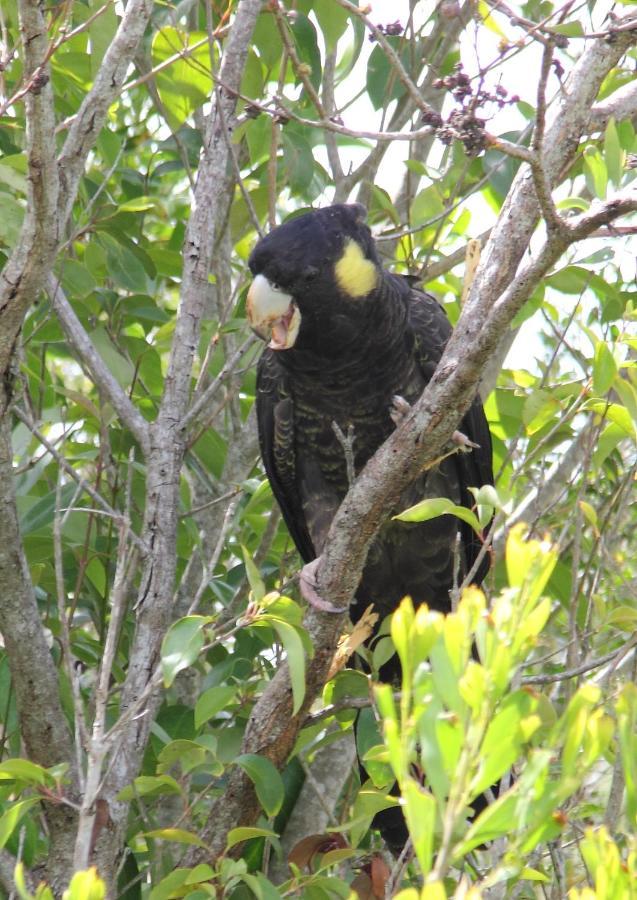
272, 314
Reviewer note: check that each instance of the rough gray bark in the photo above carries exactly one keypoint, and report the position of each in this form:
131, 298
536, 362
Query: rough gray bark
43, 724
22, 277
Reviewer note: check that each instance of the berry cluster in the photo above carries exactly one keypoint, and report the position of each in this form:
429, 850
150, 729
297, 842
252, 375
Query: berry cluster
463, 124
459, 84
392, 29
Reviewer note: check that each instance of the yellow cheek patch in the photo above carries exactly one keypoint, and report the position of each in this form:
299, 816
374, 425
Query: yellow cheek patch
355, 275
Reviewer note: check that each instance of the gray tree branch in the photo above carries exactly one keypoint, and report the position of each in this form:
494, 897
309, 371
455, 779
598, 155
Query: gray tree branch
100, 373
43, 724
622, 104
21, 278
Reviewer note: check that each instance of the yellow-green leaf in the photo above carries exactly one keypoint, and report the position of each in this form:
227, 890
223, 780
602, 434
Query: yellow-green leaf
438, 506
266, 779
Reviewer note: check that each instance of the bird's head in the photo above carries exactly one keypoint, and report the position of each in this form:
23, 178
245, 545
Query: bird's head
310, 274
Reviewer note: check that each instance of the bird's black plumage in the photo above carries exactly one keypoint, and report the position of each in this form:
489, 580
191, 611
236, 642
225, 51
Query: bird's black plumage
346, 337
351, 356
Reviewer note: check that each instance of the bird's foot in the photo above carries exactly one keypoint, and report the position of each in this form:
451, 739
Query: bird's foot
398, 409
463, 442
307, 580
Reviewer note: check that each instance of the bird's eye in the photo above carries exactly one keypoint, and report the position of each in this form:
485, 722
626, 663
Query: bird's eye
275, 286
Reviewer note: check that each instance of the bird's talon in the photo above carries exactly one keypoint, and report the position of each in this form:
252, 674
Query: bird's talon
399, 409
463, 442
307, 581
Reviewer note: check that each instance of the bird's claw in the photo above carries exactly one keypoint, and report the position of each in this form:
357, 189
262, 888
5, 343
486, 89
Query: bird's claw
398, 409
463, 442
307, 581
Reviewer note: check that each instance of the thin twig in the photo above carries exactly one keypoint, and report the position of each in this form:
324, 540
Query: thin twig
100, 373
228, 369
347, 443
541, 179
588, 666
81, 731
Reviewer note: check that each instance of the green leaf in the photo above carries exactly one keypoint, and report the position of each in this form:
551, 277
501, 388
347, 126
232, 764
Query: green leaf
238, 835
177, 836
529, 562
420, 812
402, 623
122, 368
213, 701
589, 513
150, 785
604, 369
202, 872
512, 725
613, 153
10, 220
101, 30
261, 887
438, 506
41, 514
540, 408
12, 816
570, 279
186, 83
266, 779
124, 267
332, 21
291, 639
427, 205
298, 159
615, 412
383, 84
596, 173
305, 37
12, 177
610, 438
266, 38
368, 736
86, 885
570, 29
627, 731
368, 803
254, 577
188, 755
24, 770
171, 885
182, 645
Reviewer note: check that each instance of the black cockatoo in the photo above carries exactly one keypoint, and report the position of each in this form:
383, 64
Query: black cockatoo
351, 345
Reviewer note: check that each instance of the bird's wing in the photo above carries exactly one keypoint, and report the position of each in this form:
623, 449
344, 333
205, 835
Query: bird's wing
432, 330
275, 420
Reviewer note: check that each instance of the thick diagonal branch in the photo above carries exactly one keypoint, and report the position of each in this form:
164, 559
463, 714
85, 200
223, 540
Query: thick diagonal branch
104, 379
21, 279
